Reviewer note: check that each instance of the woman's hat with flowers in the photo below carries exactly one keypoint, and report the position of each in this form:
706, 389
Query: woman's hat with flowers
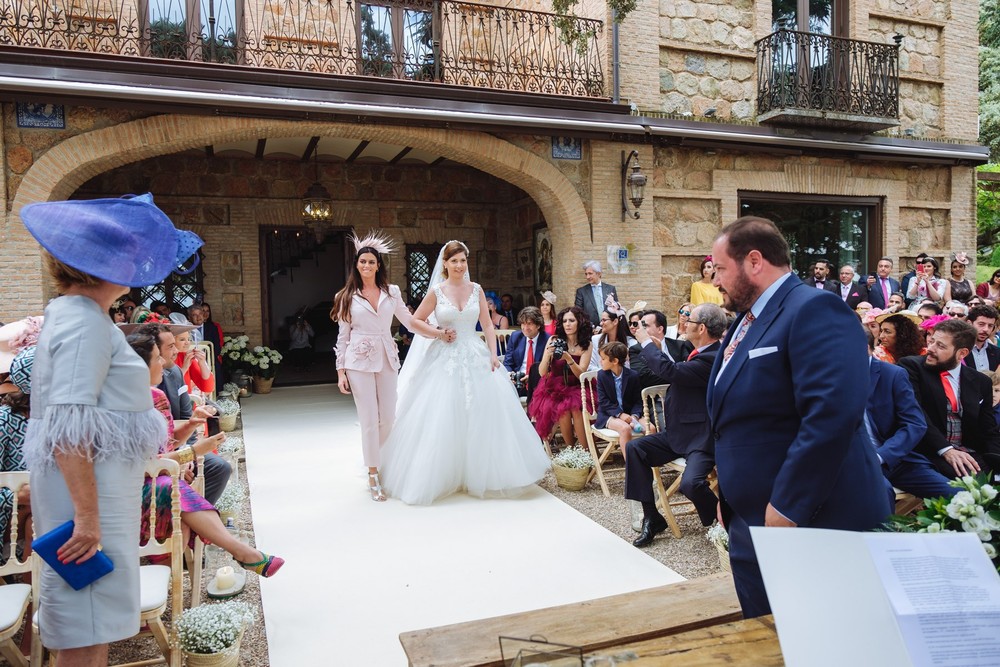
16, 336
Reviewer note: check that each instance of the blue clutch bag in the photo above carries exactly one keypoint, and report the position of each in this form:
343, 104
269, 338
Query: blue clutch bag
77, 576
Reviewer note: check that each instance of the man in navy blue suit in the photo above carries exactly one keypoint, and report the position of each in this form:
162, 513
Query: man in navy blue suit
881, 286
896, 424
790, 443
531, 336
687, 431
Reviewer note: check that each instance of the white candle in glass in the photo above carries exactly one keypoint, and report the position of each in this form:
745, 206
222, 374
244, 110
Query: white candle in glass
225, 578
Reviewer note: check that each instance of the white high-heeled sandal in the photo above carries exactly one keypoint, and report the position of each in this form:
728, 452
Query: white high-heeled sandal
375, 487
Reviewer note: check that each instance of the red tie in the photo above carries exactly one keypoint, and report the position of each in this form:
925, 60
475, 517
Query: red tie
949, 392
531, 356
692, 355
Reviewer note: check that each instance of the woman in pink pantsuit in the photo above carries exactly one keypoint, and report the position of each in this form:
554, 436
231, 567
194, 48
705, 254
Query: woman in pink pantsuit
367, 359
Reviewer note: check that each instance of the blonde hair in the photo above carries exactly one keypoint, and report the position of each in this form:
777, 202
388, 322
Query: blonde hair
65, 276
452, 248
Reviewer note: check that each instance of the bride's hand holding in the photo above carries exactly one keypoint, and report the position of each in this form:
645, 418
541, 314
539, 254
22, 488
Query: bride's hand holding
494, 362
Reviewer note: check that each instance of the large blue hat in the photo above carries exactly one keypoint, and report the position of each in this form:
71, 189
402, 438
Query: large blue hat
126, 241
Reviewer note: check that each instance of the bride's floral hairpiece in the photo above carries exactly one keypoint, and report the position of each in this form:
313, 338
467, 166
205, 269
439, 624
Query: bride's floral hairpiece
613, 306
380, 243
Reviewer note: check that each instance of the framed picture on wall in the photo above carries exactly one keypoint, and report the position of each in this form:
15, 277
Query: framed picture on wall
232, 309
232, 267
542, 260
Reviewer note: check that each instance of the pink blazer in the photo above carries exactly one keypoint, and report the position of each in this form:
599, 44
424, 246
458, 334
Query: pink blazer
365, 342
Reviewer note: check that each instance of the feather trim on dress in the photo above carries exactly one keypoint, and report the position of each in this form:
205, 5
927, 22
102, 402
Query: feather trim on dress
97, 433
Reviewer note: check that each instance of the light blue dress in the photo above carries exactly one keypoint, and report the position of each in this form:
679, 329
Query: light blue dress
90, 393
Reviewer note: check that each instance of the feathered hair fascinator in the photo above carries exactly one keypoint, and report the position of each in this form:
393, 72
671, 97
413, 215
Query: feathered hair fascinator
613, 306
382, 244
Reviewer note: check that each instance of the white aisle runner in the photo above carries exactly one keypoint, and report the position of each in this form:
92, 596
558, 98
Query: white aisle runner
358, 572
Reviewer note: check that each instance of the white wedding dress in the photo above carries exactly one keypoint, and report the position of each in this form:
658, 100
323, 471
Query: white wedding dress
459, 425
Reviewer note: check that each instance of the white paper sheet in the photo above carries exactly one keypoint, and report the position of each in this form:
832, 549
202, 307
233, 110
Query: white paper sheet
844, 598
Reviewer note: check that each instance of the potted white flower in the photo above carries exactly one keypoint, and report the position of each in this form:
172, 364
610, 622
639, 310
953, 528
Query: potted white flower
231, 450
230, 502
263, 364
571, 467
718, 536
210, 634
229, 410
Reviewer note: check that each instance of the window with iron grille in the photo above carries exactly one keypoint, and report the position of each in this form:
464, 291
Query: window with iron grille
419, 263
177, 291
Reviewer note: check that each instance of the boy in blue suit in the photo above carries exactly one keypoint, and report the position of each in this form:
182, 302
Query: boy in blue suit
619, 399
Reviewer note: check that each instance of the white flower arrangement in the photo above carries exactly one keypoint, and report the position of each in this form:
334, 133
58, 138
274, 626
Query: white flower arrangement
228, 407
718, 536
213, 628
230, 389
974, 509
231, 500
233, 444
573, 457
262, 361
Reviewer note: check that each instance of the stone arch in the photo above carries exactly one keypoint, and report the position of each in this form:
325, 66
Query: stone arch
68, 165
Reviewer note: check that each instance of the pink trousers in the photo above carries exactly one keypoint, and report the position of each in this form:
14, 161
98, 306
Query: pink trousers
375, 398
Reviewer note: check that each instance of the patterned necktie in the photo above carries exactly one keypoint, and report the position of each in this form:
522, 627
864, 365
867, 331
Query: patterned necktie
693, 353
531, 356
747, 321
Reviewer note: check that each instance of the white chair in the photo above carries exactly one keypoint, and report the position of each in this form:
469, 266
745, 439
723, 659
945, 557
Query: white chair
194, 558
14, 598
607, 436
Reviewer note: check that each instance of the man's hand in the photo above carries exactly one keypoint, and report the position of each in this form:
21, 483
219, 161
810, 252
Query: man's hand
774, 519
640, 334
871, 280
961, 462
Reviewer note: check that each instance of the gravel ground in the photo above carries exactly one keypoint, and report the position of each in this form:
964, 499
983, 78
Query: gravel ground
691, 556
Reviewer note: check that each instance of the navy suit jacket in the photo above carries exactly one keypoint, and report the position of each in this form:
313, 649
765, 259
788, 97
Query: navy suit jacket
894, 414
786, 431
685, 413
518, 345
607, 397
875, 297
975, 391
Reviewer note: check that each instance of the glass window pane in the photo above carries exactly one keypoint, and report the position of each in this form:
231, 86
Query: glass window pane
836, 232
168, 29
418, 55
376, 40
218, 30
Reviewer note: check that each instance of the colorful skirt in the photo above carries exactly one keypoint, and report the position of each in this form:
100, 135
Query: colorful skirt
191, 501
552, 399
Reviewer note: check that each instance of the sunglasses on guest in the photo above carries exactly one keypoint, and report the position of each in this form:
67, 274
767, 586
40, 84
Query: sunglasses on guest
685, 313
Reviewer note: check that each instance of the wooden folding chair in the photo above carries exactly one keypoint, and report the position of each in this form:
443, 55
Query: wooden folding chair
194, 558
503, 338
14, 598
906, 502
588, 396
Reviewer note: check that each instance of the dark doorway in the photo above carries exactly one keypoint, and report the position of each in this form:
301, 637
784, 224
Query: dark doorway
300, 277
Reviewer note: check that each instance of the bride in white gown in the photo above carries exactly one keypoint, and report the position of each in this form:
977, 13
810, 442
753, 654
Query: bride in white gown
459, 423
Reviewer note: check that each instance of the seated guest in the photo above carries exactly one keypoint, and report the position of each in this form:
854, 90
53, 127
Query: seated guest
557, 400
197, 514
525, 349
547, 306
193, 365
619, 400
15, 410
962, 436
614, 328
927, 328
654, 323
990, 289
688, 432
899, 336
995, 379
683, 313
507, 307
956, 309
870, 323
896, 302
895, 425
499, 321
217, 469
985, 355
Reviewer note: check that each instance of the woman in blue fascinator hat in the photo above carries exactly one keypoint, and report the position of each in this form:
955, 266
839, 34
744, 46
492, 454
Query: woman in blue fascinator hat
92, 424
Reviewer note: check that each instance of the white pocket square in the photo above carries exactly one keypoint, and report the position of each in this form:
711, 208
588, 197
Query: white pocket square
761, 351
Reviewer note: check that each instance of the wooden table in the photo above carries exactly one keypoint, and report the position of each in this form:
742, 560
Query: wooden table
692, 623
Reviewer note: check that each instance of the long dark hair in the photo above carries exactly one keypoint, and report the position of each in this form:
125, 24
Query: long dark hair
583, 326
341, 311
621, 329
908, 339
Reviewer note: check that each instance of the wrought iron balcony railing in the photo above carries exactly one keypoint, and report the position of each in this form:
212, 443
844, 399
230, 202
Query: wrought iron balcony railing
812, 79
443, 41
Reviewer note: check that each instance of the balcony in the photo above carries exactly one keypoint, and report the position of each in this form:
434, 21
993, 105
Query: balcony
421, 41
819, 81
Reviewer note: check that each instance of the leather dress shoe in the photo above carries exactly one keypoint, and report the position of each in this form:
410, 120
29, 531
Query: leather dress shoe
650, 529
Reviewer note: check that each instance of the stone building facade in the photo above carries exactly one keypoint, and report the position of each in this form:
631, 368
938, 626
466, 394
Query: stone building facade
497, 180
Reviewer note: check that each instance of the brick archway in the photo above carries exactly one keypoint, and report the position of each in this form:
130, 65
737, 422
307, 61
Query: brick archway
66, 166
